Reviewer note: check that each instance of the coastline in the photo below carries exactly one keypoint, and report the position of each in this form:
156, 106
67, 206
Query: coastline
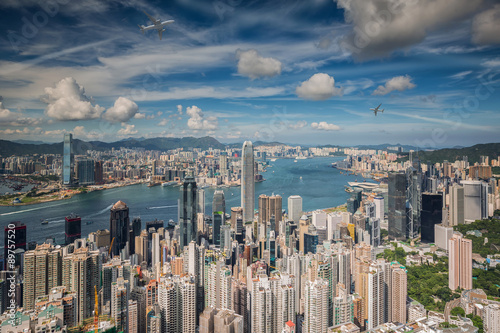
68, 194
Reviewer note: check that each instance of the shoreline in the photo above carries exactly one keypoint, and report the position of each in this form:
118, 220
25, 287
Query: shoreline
71, 194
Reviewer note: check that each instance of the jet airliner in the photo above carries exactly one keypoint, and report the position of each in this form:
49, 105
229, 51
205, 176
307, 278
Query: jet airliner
157, 25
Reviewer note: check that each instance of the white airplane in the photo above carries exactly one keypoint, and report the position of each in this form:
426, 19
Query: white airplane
377, 109
157, 25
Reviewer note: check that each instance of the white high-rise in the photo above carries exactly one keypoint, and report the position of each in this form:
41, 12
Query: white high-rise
294, 208
456, 210
491, 318
155, 249
218, 291
475, 200
379, 207
177, 301
247, 182
316, 307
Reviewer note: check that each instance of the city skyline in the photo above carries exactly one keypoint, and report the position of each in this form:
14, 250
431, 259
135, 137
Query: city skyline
252, 71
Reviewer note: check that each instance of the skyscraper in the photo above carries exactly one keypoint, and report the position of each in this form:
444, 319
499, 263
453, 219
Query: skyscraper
247, 182
456, 207
14, 231
379, 207
98, 173
67, 171
270, 207
177, 301
399, 294
73, 228
491, 318
218, 215
316, 307
432, 214
119, 303
85, 172
397, 206
119, 227
187, 211
475, 200
295, 208
460, 262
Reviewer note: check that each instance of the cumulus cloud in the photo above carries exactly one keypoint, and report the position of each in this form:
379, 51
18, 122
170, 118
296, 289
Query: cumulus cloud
486, 26
127, 130
324, 126
5, 113
383, 26
319, 87
122, 111
10, 118
140, 115
298, 125
198, 121
68, 101
251, 64
179, 109
163, 122
399, 83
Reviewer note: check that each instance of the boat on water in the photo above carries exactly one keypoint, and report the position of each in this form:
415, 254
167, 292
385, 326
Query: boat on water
45, 222
90, 222
295, 161
173, 182
273, 159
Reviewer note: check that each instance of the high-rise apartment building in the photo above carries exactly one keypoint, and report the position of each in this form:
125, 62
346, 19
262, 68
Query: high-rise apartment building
399, 294
187, 212
247, 182
475, 200
177, 301
491, 318
460, 262
42, 272
270, 209
119, 303
315, 307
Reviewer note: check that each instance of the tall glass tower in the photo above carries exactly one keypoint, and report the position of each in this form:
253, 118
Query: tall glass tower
67, 174
188, 211
247, 182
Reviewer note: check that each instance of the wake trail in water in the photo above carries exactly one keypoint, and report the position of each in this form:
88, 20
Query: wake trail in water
101, 211
161, 207
32, 209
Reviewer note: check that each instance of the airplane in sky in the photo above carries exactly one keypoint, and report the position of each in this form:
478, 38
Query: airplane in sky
157, 25
377, 109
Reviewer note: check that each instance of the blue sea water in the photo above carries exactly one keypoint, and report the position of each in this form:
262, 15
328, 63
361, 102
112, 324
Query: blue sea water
319, 185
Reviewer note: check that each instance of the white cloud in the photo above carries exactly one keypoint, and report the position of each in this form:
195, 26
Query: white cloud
399, 83
163, 122
319, 87
486, 26
492, 63
5, 114
298, 125
197, 120
383, 26
179, 109
122, 111
251, 64
140, 115
324, 126
9, 118
68, 101
127, 130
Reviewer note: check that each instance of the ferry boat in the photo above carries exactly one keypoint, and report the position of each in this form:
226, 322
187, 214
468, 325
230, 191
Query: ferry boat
45, 222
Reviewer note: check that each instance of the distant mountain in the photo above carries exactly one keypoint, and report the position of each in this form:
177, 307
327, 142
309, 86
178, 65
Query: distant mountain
452, 154
9, 148
29, 142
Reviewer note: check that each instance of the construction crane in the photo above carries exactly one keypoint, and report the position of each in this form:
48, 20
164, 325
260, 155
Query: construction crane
96, 312
111, 246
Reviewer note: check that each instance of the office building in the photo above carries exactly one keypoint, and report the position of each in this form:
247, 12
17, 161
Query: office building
379, 207
14, 234
460, 262
187, 212
218, 215
68, 159
98, 173
432, 214
85, 171
270, 209
295, 208
397, 206
442, 233
247, 182
73, 228
475, 200
456, 206
119, 227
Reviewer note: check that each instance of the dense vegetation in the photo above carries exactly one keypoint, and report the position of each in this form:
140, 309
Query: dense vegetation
473, 153
490, 229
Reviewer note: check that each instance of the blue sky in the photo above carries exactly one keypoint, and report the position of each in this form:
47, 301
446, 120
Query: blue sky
292, 71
